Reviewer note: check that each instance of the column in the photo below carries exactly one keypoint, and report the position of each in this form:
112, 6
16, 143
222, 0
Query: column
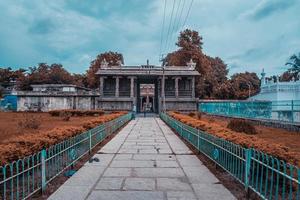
193, 87
132, 86
117, 86
101, 85
176, 87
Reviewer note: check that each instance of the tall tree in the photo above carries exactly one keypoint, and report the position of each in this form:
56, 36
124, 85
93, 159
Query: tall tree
213, 70
112, 58
243, 83
45, 74
294, 63
80, 80
294, 71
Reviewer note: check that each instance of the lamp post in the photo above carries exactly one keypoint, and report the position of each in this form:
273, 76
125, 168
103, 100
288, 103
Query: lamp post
163, 88
249, 90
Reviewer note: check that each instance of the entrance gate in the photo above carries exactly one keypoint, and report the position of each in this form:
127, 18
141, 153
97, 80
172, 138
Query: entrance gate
141, 96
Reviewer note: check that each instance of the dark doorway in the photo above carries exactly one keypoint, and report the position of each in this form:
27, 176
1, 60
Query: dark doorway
147, 95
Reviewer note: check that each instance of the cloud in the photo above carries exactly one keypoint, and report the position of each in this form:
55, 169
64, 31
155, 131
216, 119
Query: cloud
73, 32
42, 26
267, 8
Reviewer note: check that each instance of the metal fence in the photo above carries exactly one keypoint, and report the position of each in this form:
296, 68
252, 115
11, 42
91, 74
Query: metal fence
284, 111
25, 177
267, 176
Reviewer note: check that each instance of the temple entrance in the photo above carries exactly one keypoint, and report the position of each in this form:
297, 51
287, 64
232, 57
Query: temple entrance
147, 98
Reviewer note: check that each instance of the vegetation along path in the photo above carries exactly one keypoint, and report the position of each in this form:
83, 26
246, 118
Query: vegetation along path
146, 160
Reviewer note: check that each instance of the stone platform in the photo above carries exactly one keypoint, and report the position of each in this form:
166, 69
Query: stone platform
146, 160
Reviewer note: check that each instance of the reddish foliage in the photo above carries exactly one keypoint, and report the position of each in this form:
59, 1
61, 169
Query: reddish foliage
241, 125
24, 145
248, 141
76, 112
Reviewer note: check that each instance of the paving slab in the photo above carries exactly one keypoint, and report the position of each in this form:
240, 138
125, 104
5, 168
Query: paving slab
139, 184
107, 183
126, 195
70, 193
145, 160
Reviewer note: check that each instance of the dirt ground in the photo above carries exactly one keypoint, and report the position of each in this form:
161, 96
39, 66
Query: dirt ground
17, 142
269, 134
273, 141
9, 123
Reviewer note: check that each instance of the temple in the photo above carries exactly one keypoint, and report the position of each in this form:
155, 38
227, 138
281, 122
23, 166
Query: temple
121, 87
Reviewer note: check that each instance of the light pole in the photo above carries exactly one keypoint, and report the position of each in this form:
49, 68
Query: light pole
163, 89
249, 90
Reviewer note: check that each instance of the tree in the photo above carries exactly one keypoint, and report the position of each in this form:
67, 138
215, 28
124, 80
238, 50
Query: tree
80, 80
294, 70
213, 70
242, 81
45, 74
5, 74
112, 58
294, 62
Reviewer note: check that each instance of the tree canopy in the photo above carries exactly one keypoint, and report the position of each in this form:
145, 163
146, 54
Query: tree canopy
212, 82
112, 58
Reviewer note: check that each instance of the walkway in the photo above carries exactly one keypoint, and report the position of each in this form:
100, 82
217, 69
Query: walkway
146, 160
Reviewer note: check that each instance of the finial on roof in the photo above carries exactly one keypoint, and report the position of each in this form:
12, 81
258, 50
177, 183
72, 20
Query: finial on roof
119, 63
191, 64
104, 63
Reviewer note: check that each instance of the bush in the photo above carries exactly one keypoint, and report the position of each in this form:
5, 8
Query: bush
57, 113
29, 122
65, 115
196, 115
241, 125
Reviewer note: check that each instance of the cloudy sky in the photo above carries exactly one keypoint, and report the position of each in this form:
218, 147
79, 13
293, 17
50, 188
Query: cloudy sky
247, 35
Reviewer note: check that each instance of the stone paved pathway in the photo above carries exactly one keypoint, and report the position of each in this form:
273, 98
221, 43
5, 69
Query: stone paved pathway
146, 160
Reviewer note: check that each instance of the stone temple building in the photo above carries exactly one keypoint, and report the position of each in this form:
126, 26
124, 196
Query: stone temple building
147, 87
174, 87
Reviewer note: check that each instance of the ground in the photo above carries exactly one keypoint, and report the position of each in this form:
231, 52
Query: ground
18, 142
269, 134
277, 142
146, 160
9, 123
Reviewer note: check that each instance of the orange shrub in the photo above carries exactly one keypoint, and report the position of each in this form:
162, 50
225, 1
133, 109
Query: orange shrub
248, 141
28, 144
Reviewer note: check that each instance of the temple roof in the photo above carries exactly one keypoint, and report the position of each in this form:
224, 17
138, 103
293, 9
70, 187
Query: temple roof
148, 70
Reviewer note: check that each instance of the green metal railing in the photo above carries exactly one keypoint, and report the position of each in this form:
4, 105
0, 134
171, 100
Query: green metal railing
284, 111
25, 177
267, 176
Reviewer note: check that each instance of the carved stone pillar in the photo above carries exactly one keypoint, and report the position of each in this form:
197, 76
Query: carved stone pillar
131, 86
193, 87
163, 87
176, 86
117, 86
101, 86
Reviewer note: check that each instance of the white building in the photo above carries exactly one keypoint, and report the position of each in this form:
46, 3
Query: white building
278, 91
284, 98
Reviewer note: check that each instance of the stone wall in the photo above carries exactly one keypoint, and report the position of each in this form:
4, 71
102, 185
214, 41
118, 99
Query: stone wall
47, 103
181, 106
115, 105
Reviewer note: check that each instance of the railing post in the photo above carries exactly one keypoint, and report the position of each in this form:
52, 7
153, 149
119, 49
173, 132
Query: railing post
43, 164
198, 140
248, 156
292, 110
90, 141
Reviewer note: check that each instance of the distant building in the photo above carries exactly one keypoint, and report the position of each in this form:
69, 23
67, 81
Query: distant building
174, 87
284, 98
46, 97
147, 87
275, 90
8, 88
